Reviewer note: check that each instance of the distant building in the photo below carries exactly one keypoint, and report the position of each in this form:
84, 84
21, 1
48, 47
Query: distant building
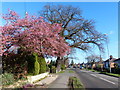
109, 62
82, 65
117, 61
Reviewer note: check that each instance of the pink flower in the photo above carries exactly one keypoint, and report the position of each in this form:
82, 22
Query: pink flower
34, 34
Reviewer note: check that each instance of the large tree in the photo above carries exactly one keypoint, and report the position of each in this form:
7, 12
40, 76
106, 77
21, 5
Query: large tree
78, 32
32, 34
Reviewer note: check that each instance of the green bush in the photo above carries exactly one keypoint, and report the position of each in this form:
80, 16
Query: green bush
62, 67
31, 62
37, 66
42, 64
47, 69
7, 79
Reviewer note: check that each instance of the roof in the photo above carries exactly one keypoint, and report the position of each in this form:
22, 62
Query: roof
117, 60
112, 60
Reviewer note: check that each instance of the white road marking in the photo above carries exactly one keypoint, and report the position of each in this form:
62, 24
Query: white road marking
107, 80
103, 79
93, 75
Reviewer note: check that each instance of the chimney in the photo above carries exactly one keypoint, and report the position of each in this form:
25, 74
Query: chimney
111, 57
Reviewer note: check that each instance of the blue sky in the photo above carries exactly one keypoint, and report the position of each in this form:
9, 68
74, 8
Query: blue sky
105, 14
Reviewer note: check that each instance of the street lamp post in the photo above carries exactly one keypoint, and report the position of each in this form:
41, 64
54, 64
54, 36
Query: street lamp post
108, 53
109, 58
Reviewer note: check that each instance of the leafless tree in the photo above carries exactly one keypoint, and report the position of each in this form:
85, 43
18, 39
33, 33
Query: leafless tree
78, 32
92, 58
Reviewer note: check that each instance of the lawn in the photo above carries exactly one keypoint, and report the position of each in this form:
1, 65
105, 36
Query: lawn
106, 73
61, 72
111, 74
71, 71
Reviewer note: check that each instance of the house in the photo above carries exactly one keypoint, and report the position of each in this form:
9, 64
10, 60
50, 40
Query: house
117, 61
78, 65
82, 65
88, 65
109, 62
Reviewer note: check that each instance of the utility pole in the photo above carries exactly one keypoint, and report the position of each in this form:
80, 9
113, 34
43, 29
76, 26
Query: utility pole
108, 53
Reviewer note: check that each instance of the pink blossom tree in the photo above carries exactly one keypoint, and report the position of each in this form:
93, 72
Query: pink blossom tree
33, 34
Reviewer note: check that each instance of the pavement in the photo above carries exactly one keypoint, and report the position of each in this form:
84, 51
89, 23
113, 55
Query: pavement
62, 80
96, 80
45, 82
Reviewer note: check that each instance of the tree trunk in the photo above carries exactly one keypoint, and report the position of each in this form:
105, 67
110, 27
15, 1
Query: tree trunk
58, 61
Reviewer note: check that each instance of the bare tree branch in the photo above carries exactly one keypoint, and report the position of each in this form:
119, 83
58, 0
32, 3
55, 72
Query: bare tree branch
77, 31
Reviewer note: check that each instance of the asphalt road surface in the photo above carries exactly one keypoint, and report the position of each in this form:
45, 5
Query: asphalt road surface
95, 80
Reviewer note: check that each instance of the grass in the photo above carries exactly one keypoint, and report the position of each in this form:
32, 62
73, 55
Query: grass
106, 73
111, 74
74, 82
92, 70
71, 71
61, 72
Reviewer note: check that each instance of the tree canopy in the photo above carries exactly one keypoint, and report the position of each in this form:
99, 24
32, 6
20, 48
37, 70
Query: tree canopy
79, 32
32, 34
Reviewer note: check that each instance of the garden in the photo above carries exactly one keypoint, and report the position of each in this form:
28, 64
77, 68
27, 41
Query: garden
26, 42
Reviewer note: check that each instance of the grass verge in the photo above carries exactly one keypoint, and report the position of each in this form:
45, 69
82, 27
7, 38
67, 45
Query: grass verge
106, 73
61, 72
74, 82
111, 74
71, 71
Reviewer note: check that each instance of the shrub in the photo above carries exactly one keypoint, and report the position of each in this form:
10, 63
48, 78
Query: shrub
47, 69
62, 67
98, 68
37, 66
42, 64
7, 79
31, 61
117, 70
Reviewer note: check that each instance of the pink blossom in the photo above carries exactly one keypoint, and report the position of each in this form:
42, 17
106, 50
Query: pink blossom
34, 34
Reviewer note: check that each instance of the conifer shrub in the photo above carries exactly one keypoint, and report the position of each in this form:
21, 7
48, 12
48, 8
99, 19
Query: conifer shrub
36, 65
42, 64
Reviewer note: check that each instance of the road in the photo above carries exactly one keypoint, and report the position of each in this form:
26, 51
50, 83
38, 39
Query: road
62, 80
95, 80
